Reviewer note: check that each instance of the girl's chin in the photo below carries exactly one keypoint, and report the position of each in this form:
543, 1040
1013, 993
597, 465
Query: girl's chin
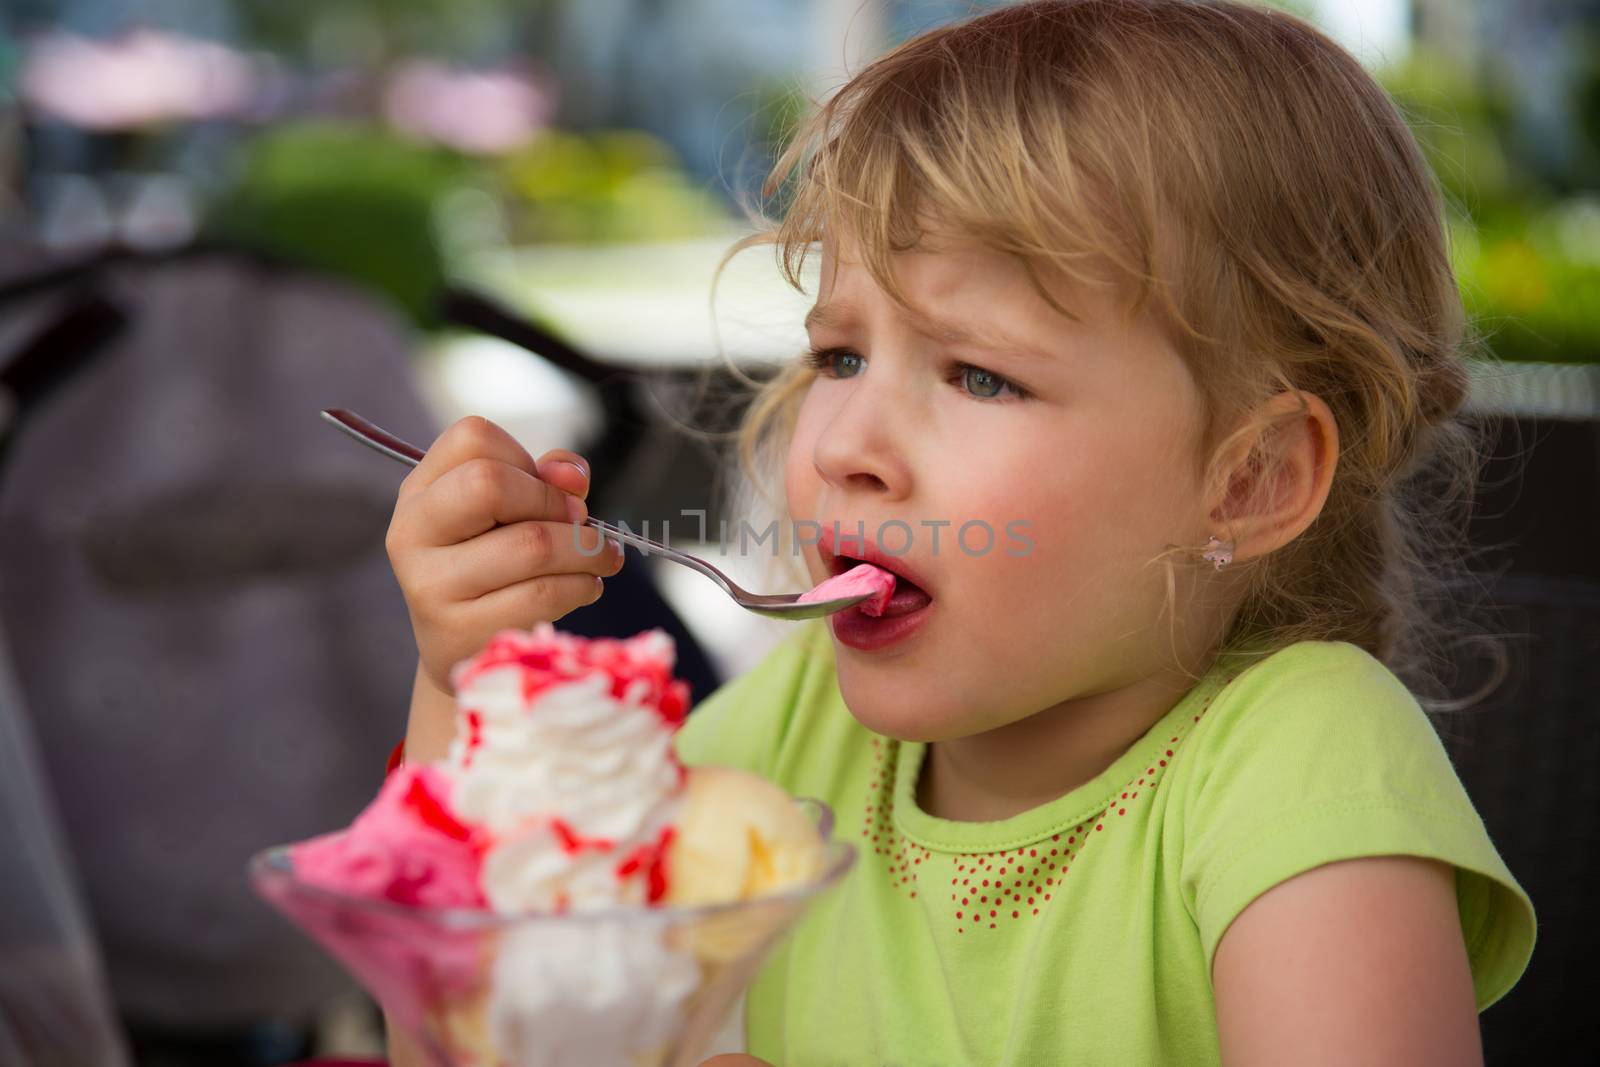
901, 713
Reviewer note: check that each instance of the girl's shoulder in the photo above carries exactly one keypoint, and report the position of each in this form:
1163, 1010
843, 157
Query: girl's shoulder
1319, 753
1309, 693
1320, 719
1304, 657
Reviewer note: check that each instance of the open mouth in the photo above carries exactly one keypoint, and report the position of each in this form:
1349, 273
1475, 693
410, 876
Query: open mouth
908, 596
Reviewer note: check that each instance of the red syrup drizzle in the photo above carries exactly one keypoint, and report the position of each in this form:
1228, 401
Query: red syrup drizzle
433, 814
573, 843
474, 736
652, 861
547, 662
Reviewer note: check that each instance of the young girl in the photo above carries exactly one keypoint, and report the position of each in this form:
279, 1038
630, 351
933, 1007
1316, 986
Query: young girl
1135, 335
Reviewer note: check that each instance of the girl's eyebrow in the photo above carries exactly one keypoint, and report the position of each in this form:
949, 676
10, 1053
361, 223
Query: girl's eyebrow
828, 315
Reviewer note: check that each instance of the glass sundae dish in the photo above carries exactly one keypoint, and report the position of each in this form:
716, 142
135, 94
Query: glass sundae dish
560, 890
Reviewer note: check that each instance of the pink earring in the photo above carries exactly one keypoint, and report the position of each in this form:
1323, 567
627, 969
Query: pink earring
1218, 552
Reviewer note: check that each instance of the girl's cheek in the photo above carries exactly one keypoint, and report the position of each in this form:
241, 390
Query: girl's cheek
802, 490
799, 478
1000, 516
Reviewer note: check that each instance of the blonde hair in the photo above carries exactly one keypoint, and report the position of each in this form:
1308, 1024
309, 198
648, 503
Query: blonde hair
1252, 187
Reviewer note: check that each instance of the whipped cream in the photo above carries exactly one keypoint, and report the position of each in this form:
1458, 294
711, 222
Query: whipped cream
565, 756
545, 868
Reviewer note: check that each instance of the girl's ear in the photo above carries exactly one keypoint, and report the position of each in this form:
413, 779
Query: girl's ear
1278, 487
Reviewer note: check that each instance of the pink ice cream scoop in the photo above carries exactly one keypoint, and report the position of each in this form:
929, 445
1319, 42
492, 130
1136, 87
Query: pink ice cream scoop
406, 847
875, 582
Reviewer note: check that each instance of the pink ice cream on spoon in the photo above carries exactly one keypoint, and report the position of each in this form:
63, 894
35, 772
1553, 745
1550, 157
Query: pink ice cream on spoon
866, 579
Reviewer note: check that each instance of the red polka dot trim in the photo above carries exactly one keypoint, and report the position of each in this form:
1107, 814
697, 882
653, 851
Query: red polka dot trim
900, 859
991, 890
1023, 880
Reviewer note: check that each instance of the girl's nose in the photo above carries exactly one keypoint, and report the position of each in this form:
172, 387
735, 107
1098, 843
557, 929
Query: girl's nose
857, 449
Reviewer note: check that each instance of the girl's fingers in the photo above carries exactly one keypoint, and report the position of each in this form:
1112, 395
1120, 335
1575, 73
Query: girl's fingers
481, 494
507, 555
470, 438
565, 470
542, 599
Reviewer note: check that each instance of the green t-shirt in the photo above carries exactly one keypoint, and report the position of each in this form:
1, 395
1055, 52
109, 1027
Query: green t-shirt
1082, 931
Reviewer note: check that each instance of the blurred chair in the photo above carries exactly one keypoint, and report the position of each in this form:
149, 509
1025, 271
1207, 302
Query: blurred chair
215, 652
204, 623
1528, 754
53, 1003
1528, 758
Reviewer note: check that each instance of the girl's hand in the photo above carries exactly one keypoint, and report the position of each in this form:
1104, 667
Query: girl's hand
483, 539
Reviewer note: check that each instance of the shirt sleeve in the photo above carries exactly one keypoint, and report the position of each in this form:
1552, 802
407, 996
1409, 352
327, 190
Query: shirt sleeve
1317, 754
745, 721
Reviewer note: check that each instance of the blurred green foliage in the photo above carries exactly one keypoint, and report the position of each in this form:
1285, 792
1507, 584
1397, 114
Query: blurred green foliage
1461, 123
614, 185
337, 32
344, 198
355, 200
1586, 105
1526, 243
1531, 281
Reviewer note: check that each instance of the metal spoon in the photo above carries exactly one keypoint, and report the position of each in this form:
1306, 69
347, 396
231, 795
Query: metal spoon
782, 606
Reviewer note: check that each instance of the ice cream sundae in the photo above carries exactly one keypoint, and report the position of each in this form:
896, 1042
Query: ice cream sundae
562, 805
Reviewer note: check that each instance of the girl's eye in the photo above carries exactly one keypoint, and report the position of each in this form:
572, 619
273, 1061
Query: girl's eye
985, 384
977, 382
836, 362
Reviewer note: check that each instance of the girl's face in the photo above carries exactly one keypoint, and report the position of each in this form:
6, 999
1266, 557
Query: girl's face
1065, 449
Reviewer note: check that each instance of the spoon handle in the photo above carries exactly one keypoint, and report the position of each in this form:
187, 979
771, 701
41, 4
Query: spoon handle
374, 436
781, 606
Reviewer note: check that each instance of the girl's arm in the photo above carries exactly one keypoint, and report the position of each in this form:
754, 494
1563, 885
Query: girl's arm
431, 723
1360, 961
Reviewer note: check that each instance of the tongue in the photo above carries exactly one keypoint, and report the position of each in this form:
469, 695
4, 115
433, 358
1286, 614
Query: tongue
906, 599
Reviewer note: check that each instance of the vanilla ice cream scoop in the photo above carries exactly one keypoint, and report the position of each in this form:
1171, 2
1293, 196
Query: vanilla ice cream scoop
738, 836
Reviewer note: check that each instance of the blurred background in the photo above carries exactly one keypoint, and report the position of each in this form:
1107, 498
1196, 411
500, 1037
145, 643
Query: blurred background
219, 216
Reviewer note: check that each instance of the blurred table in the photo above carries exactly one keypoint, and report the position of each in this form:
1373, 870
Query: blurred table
648, 306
